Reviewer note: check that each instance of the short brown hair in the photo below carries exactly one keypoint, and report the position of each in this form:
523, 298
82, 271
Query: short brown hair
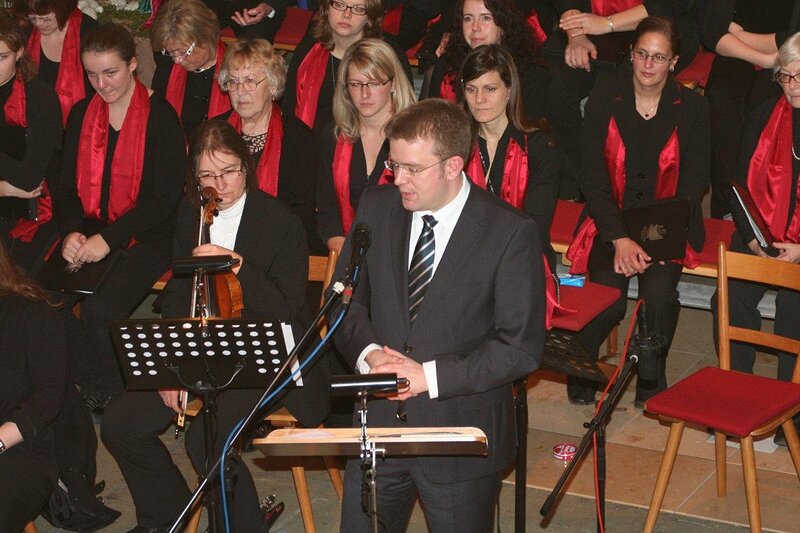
189, 21
255, 52
61, 8
217, 136
435, 119
13, 36
321, 30
663, 25
110, 37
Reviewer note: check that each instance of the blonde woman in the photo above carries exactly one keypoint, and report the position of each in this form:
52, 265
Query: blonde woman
371, 88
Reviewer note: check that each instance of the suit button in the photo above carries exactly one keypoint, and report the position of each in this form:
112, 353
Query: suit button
641, 175
639, 195
407, 348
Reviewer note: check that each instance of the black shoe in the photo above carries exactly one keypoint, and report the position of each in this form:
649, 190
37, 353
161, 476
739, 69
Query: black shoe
580, 396
272, 514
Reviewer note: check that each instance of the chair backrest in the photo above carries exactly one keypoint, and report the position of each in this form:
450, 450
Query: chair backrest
320, 269
756, 269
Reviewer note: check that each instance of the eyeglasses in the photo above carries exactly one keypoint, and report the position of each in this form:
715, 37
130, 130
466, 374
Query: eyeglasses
371, 85
227, 176
42, 18
249, 85
396, 167
178, 56
641, 55
783, 77
355, 10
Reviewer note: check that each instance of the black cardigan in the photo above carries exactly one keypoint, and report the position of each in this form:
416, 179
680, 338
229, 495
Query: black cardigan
151, 221
764, 16
644, 139
197, 95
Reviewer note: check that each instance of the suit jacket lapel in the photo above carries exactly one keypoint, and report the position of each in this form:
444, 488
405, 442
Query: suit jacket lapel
399, 229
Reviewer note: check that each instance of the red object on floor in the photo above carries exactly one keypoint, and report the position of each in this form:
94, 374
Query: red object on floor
588, 302
732, 402
698, 70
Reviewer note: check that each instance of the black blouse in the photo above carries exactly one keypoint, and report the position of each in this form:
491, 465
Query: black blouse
151, 221
328, 218
48, 70
679, 108
197, 94
764, 16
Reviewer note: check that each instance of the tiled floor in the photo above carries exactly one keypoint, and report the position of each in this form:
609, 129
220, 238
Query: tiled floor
635, 441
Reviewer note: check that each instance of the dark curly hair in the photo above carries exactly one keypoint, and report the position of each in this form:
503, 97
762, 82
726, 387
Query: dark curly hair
517, 35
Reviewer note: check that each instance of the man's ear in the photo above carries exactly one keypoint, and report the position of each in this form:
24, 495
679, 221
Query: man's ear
453, 167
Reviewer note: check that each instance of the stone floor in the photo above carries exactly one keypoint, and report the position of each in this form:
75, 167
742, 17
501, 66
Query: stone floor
635, 442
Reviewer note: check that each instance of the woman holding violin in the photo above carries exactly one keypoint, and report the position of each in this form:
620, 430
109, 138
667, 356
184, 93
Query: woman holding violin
270, 244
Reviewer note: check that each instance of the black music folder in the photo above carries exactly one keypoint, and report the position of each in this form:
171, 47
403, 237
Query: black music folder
660, 227
84, 278
15, 208
757, 224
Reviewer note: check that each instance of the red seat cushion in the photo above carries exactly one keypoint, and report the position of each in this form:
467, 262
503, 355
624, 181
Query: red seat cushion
716, 230
698, 70
565, 220
588, 302
227, 32
294, 26
732, 402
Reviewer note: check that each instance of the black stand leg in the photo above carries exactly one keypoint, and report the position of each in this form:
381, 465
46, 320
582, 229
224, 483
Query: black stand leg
520, 481
212, 500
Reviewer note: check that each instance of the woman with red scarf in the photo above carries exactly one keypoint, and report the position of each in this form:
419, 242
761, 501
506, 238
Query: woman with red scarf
30, 134
59, 27
501, 22
645, 137
121, 181
311, 79
512, 156
370, 89
768, 167
283, 148
188, 55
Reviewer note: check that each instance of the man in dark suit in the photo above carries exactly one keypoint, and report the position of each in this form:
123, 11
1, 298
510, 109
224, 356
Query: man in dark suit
451, 297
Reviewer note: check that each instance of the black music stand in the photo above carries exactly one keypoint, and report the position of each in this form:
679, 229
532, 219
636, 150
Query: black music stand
203, 356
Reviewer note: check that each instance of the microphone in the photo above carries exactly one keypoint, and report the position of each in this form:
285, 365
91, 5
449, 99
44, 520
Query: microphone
649, 346
345, 385
360, 242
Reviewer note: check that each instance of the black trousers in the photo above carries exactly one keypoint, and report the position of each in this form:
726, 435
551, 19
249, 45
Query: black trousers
131, 427
658, 288
466, 506
27, 478
734, 89
95, 367
744, 297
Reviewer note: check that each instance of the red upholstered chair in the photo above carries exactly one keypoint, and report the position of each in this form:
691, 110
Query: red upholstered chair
696, 74
733, 403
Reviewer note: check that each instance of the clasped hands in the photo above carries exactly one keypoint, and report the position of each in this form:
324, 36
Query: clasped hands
78, 248
629, 258
389, 361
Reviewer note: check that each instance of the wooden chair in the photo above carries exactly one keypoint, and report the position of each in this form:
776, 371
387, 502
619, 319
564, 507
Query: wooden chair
320, 269
30, 527
733, 403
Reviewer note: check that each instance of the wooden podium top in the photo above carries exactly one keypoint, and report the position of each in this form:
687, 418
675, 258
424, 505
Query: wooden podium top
396, 441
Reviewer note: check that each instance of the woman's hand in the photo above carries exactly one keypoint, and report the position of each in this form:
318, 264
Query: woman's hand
790, 252
629, 258
756, 249
6, 189
213, 249
171, 398
248, 17
578, 53
71, 244
93, 250
584, 24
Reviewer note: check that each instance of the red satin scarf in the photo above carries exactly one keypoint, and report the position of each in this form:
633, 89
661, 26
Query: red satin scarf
310, 75
666, 187
218, 103
447, 89
342, 156
69, 82
268, 166
515, 173
769, 178
538, 33
128, 160
605, 8
14, 108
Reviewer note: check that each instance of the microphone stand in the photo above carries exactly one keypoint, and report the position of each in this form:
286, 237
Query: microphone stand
639, 347
213, 471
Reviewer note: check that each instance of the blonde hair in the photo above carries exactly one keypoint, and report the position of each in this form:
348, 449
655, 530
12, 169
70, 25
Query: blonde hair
322, 32
378, 61
789, 52
255, 52
186, 21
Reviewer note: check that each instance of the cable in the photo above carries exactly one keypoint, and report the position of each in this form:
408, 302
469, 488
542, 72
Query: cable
266, 401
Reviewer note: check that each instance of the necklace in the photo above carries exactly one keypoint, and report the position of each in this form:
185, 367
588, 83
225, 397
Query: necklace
794, 154
646, 112
487, 168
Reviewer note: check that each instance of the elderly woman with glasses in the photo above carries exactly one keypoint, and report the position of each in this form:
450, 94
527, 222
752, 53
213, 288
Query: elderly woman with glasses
284, 149
54, 45
768, 167
188, 54
370, 90
645, 138
311, 80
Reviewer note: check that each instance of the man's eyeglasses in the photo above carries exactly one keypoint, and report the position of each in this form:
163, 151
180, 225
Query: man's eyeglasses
355, 10
227, 176
783, 77
249, 85
42, 18
396, 167
641, 55
371, 85
178, 56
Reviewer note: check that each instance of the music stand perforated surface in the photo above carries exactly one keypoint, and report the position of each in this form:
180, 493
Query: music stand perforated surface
149, 351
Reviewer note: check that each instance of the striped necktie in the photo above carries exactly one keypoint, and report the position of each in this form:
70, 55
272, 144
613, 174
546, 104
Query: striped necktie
421, 271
